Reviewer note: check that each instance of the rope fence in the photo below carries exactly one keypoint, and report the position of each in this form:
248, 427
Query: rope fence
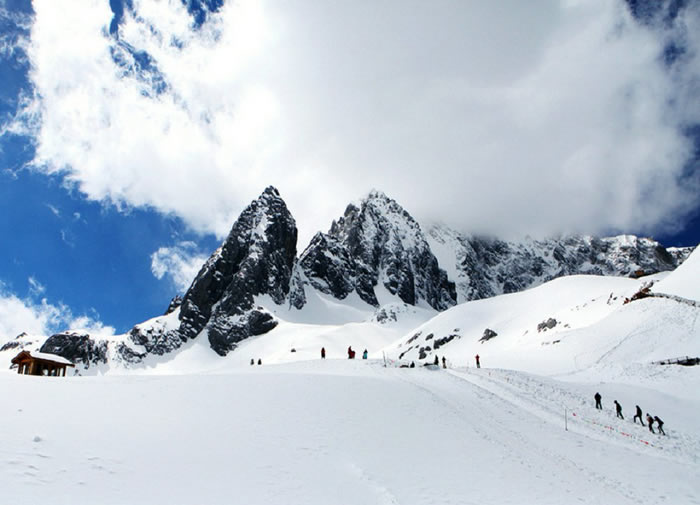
614, 429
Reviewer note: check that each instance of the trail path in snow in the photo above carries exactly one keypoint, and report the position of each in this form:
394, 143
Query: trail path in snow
522, 419
551, 401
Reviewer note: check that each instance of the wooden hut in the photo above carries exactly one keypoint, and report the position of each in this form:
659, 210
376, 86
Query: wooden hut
40, 363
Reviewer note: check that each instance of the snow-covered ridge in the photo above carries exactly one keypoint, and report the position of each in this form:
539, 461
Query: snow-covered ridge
573, 324
482, 267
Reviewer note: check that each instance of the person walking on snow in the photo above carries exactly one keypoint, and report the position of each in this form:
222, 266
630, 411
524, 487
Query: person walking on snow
597, 401
638, 414
350, 352
444, 363
323, 353
650, 422
660, 424
618, 410
478, 365
364, 354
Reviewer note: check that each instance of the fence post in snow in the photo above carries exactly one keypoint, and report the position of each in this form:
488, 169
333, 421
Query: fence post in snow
384, 356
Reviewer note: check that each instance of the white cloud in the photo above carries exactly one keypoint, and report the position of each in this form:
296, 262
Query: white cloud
13, 43
54, 210
180, 263
35, 287
36, 316
499, 116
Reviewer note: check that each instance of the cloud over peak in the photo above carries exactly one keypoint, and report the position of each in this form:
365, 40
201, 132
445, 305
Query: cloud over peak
559, 116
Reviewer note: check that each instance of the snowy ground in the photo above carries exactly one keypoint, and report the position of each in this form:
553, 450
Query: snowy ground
339, 431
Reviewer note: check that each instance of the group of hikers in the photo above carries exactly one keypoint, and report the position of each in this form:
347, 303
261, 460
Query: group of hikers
365, 354
638, 415
351, 353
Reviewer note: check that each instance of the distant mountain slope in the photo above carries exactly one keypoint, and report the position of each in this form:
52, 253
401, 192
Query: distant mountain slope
482, 267
568, 324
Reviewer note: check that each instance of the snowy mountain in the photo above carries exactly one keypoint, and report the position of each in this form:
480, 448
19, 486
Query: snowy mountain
255, 259
482, 267
374, 272
570, 324
299, 429
303, 430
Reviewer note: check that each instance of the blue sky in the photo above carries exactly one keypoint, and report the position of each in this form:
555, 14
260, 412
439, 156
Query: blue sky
133, 133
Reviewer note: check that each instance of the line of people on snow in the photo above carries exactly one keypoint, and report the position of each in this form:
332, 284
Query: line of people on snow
638, 415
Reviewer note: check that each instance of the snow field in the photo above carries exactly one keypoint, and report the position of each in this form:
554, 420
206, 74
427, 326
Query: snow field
333, 431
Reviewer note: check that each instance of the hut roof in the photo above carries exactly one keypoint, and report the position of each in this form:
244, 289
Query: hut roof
42, 356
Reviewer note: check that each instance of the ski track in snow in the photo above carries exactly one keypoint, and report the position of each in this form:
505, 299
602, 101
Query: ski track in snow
516, 444
547, 399
521, 397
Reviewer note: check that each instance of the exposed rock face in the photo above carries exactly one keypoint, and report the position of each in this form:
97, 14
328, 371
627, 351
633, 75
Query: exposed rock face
174, 304
488, 335
158, 336
256, 259
76, 347
12, 344
484, 267
547, 325
20, 342
377, 244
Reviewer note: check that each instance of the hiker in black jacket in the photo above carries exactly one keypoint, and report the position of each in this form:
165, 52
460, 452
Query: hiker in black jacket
660, 424
618, 410
638, 415
597, 401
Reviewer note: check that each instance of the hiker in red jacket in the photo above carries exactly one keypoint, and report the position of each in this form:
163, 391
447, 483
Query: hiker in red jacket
478, 364
650, 422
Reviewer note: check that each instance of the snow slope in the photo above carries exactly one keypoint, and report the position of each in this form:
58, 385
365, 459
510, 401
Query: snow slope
685, 280
336, 431
594, 328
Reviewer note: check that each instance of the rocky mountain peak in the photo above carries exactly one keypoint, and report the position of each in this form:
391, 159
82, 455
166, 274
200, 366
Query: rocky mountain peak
255, 259
377, 244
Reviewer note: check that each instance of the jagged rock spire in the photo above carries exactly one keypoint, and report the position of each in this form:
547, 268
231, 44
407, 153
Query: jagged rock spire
374, 244
255, 259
